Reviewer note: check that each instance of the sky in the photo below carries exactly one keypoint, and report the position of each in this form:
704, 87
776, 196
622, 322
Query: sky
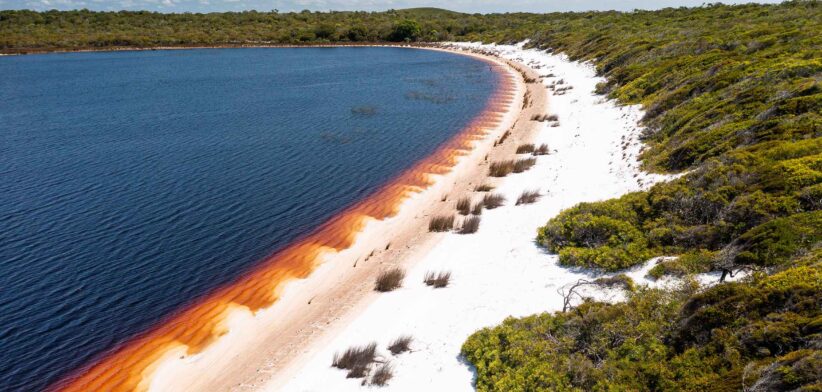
483, 6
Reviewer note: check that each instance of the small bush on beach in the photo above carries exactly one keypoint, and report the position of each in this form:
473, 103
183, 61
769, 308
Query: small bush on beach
541, 150
471, 225
525, 149
477, 209
437, 280
356, 360
441, 223
464, 206
524, 164
528, 197
544, 117
389, 280
493, 200
382, 375
483, 188
400, 344
501, 168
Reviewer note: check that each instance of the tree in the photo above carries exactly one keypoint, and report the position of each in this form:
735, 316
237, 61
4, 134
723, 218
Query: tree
407, 30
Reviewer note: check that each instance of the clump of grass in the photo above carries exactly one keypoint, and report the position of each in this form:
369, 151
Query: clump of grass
382, 375
525, 148
541, 150
528, 197
441, 223
504, 136
544, 117
477, 209
483, 188
470, 225
400, 344
437, 280
389, 280
464, 206
493, 200
356, 360
501, 168
524, 164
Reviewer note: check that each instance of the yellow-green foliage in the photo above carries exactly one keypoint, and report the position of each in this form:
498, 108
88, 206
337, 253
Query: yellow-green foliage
664, 341
732, 95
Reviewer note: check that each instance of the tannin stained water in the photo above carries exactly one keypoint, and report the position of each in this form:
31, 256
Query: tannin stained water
147, 192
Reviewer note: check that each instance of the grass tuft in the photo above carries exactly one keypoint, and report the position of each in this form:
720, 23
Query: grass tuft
464, 206
528, 197
470, 225
541, 150
441, 223
389, 280
483, 188
523, 164
525, 148
356, 360
501, 168
400, 344
437, 280
493, 200
477, 209
382, 375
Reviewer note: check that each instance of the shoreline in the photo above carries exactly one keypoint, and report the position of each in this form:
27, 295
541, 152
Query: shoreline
250, 310
499, 271
24, 52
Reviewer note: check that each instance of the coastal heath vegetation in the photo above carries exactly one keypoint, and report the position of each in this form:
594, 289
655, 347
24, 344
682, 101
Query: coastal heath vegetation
733, 103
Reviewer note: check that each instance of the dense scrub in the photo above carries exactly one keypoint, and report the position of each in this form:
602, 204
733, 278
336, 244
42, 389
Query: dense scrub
733, 96
763, 334
733, 101
22, 31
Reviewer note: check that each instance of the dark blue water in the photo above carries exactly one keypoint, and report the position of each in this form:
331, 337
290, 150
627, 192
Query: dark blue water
134, 182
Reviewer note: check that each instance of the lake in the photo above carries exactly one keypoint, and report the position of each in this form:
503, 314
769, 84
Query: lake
134, 183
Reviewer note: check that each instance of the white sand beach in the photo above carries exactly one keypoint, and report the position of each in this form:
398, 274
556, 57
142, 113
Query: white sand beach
499, 271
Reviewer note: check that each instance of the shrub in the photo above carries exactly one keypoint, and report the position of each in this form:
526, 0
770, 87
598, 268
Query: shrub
437, 280
441, 223
501, 168
528, 197
382, 375
356, 360
688, 263
483, 188
400, 344
470, 225
477, 209
523, 164
389, 280
464, 206
525, 149
493, 200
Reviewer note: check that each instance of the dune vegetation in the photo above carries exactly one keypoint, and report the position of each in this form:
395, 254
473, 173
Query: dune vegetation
733, 103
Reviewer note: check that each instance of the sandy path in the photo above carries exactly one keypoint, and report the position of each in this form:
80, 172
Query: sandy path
274, 343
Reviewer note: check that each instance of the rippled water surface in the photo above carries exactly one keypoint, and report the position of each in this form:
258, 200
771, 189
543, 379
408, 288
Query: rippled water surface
133, 183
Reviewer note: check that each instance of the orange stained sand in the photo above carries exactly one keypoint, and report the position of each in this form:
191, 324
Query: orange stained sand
128, 367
